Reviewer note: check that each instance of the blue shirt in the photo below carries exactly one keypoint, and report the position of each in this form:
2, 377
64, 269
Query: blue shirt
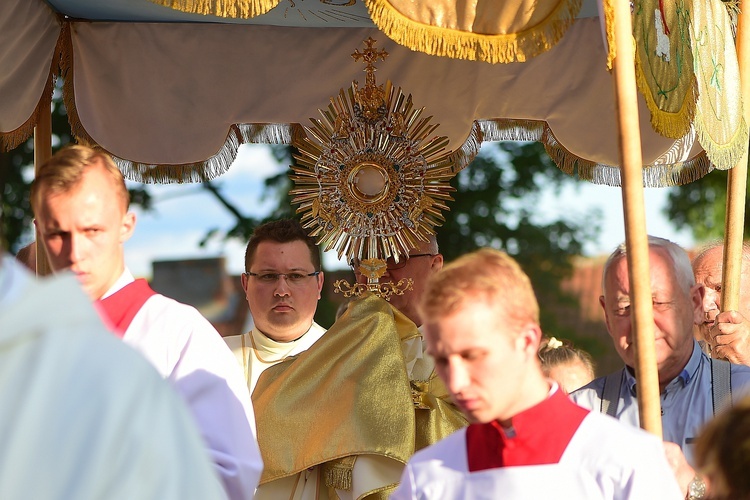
686, 402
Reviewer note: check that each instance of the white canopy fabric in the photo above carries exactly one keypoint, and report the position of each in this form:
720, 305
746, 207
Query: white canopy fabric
174, 100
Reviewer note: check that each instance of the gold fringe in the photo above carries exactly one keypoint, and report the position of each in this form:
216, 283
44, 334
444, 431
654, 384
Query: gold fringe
14, 138
506, 48
513, 130
723, 156
733, 9
672, 125
217, 164
609, 28
655, 175
235, 9
463, 156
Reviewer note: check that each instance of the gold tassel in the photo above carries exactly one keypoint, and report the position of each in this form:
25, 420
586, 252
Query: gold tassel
235, 9
609, 28
338, 473
504, 48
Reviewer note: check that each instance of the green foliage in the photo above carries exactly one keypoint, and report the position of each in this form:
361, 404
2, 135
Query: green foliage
701, 206
497, 205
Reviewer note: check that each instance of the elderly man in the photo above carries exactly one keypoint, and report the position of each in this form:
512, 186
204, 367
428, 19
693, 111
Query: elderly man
527, 439
95, 432
685, 373
366, 385
81, 206
726, 334
282, 285
421, 263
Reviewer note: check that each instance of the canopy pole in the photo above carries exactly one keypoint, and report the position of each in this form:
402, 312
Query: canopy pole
636, 238
42, 153
737, 182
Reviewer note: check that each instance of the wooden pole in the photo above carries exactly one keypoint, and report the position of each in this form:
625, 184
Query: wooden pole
737, 182
635, 220
42, 153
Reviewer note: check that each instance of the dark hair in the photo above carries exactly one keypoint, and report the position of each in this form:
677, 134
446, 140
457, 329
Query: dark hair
281, 231
721, 452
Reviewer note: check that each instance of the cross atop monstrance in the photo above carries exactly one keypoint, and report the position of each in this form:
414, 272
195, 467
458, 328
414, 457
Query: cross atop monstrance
370, 56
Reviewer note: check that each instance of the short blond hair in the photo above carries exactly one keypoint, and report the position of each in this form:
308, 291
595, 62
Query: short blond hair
65, 169
487, 273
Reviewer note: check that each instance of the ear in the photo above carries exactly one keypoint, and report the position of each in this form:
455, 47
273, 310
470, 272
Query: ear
697, 294
320, 279
529, 338
437, 263
243, 281
603, 303
127, 227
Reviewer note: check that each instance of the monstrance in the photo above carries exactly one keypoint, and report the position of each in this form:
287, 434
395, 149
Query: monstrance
371, 179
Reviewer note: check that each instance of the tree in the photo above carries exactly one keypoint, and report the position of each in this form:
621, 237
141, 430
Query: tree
701, 206
496, 204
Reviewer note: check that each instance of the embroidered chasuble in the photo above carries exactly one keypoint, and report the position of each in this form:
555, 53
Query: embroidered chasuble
347, 396
119, 309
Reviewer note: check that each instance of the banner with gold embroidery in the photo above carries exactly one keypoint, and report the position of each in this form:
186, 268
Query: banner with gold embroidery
721, 129
664, 64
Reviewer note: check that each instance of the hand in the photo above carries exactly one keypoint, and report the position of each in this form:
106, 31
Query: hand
730, 337
682, 470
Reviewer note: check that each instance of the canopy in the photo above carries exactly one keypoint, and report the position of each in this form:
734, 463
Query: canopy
172, 95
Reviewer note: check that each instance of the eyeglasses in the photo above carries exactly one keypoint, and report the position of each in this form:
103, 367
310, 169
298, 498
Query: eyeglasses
391, 264
291, 278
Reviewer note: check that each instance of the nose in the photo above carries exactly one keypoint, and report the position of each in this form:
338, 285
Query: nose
75, 248
282, 287
457, 378
711, 301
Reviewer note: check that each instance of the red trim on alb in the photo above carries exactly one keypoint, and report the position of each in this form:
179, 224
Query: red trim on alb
119, 309
540, 436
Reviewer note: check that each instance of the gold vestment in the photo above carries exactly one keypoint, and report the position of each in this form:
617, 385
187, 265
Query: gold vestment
348, 395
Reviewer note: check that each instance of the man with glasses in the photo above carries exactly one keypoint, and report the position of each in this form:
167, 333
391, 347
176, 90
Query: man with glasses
422, 262
282, 285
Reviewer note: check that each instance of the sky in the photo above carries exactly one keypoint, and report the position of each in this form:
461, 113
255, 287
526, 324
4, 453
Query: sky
184, 213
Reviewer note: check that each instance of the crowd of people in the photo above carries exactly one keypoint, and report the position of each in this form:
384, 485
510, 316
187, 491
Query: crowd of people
448, 390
